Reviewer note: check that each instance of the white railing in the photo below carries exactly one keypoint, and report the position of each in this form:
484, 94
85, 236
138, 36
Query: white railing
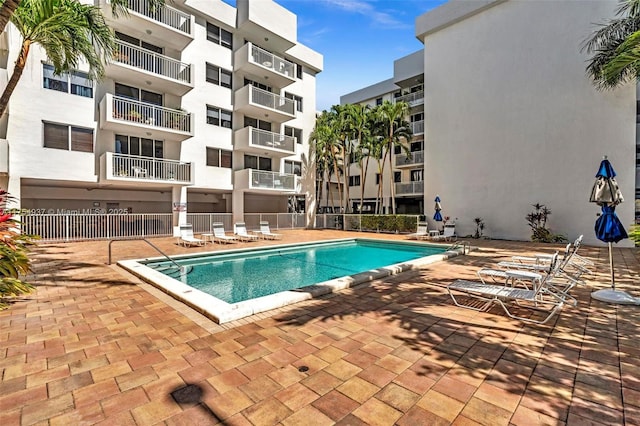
366, 223
166, 15
272, 140
271, 100
413, 99
146, 168
202, 221
129, 54
416, 187
152, 115
273, 62
276, 220
417, 127
272, 180
95, 224
417, 157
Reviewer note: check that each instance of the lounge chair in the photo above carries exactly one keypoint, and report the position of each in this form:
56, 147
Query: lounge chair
421, 232
186, 236
219, 234
448, 234
266, 233
544, 295
242, 234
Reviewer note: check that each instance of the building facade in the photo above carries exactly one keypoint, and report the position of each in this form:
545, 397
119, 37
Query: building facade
205, 108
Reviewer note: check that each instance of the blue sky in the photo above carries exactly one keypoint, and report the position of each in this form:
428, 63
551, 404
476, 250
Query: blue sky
359, 39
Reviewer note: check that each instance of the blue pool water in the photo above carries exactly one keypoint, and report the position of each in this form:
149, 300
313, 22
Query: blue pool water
236, 277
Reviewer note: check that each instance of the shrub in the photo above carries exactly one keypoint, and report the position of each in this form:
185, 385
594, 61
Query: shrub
537, 221
388, 223
479, 227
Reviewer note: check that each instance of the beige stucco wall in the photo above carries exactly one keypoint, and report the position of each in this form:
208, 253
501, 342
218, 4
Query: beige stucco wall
512, 119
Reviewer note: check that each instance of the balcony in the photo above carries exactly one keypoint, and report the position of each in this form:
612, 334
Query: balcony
261, 142
161, 72
410, 188
413, 99
164, 25
256, 102
417, 127
126, 115
417, 157
266, 182
254, 60
135, 169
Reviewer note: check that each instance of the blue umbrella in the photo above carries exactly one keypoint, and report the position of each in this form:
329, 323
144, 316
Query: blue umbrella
608, 228
437, 216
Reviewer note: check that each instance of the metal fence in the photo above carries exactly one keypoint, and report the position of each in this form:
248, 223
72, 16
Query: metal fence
353, 222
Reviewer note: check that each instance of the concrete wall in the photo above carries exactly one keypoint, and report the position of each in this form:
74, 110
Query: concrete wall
513, 119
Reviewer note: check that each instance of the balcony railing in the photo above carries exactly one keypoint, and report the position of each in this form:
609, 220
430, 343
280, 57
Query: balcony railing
416, 187
272, 140
273, 62
272, 180
147, 60
415, 98
271, 100
417, 127
417, 157
153, 115
146, 168
164, 14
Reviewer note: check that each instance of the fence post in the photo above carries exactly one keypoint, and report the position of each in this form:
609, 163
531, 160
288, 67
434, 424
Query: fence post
66, 230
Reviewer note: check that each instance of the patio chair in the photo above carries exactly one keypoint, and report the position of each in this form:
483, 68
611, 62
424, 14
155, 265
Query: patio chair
521, 289
421, 232
266, 233
242, 234
186, 236
219, 234
448, 234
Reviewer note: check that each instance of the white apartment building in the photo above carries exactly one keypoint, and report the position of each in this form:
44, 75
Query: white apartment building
511, 118
205, 108
406, 85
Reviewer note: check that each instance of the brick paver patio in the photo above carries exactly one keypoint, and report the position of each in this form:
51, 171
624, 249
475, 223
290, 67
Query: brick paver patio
95, 345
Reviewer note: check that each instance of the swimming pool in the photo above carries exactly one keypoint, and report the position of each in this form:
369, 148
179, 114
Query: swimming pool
228, 285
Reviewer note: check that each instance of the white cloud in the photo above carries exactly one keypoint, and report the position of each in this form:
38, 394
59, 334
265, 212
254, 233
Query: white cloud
384, 19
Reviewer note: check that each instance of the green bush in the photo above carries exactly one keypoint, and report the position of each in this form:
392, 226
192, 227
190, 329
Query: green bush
388, 223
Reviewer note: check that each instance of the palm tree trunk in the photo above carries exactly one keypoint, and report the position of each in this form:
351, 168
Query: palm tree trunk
6, 10
347, 161
15, 76
363, 178
393, 182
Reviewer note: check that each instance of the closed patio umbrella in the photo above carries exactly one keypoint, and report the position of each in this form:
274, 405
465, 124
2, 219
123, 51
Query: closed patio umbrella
608, 228
437, 216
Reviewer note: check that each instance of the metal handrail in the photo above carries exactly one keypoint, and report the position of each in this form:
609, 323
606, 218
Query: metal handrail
148, 242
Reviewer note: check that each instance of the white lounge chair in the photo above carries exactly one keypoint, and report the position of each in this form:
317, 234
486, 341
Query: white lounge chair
448, 234
219, 234
242, 234
186, 236
266, 233
421, 232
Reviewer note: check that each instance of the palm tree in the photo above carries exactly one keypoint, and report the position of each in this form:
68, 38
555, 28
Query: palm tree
323, 140
68, 31
616, 48
392, 118
357, 130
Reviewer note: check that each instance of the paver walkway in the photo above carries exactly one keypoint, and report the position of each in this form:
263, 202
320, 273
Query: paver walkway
95, 345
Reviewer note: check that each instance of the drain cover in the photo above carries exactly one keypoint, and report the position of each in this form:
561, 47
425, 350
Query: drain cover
303, 368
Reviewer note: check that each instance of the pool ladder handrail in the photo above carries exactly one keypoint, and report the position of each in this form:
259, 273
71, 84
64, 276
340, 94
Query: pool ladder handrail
466, 247
148, 242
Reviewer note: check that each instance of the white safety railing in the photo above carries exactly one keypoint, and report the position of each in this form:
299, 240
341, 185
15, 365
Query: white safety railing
271, 100
164, 14
271, 61
417, 157
272, 180
95, 224
276, 220
153, 115
202, 221
135, 56
146, 168
272, 140
417, 127
415, 98
416, 187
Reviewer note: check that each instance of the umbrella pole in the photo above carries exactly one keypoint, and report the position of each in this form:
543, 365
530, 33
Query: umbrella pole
613, 281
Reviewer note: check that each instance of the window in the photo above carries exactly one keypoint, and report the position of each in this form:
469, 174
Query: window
70, 138
416, 175
219, 158
417, 117
377, 178
292, 131
219, 36
397, 149
133, 145
416, 146
75, 82
298, 69
397, 177
219, 117
257, 163
219, 76
297, 99
257, 84
378, 101
137, 94
354, 180
257, 124
293, 167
